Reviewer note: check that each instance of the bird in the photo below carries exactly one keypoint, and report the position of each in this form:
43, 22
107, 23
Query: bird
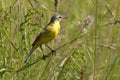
49, 32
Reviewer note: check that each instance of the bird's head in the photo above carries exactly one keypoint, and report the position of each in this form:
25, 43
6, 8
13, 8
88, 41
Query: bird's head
57, 17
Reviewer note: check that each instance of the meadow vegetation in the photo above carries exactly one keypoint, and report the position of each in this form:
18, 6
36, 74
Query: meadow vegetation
87, 48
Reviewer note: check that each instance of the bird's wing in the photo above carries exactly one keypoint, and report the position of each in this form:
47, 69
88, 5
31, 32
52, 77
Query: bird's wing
43, 33
37, 38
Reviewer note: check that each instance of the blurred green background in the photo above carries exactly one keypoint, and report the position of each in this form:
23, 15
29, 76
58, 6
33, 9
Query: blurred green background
88, 45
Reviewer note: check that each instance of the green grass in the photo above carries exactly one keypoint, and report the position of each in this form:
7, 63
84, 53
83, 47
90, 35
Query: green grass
83, 51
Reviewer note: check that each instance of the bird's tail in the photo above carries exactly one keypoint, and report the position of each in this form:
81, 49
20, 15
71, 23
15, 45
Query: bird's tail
28, 56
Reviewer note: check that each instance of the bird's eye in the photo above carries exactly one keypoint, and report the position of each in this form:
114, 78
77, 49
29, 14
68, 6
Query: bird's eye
60, 16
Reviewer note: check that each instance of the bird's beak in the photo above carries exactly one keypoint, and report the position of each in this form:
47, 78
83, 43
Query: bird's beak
64, 17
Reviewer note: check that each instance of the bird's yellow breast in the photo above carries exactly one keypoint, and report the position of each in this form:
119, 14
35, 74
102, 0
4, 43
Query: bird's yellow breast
54, 28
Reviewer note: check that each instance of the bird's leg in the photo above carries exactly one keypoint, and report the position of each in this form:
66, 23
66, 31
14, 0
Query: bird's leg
52, 51
44, 56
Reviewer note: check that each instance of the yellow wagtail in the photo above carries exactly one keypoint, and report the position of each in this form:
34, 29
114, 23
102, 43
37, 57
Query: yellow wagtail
49, 33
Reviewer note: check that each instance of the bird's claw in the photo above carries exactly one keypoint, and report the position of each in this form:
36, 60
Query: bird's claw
44, 56
53, 52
